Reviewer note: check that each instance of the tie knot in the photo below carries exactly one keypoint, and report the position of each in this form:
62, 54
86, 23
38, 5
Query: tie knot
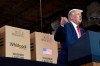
78, 27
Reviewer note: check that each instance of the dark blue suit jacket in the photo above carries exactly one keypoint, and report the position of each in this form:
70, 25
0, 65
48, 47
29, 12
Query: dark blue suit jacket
67, 36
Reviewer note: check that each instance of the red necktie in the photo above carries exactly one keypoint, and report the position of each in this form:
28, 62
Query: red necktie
79, 32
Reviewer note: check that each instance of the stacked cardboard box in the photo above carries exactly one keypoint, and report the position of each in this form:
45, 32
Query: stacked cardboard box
14, 42
43, 47
92, 64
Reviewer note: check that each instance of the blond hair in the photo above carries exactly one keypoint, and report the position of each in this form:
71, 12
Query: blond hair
72, 11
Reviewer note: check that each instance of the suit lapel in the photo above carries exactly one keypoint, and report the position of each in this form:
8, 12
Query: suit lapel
73, 30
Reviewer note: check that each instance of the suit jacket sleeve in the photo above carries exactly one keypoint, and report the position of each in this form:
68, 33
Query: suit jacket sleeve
59, 34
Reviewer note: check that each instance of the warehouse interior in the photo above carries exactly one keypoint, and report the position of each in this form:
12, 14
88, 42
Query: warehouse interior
44, 15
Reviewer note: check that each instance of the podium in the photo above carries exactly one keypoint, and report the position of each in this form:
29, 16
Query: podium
85, 50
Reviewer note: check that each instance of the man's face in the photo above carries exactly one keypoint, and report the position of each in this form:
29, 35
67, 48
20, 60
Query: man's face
77, 17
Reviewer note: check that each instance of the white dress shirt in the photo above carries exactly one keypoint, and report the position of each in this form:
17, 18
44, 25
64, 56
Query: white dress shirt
75, 26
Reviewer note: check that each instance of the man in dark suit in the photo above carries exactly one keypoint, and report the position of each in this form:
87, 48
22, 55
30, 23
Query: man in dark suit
67, 33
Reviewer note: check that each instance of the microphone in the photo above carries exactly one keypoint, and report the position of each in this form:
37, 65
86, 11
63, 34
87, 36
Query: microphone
95, 17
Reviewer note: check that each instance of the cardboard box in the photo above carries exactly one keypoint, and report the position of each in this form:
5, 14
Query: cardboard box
92, 64
14, 42
43, 47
